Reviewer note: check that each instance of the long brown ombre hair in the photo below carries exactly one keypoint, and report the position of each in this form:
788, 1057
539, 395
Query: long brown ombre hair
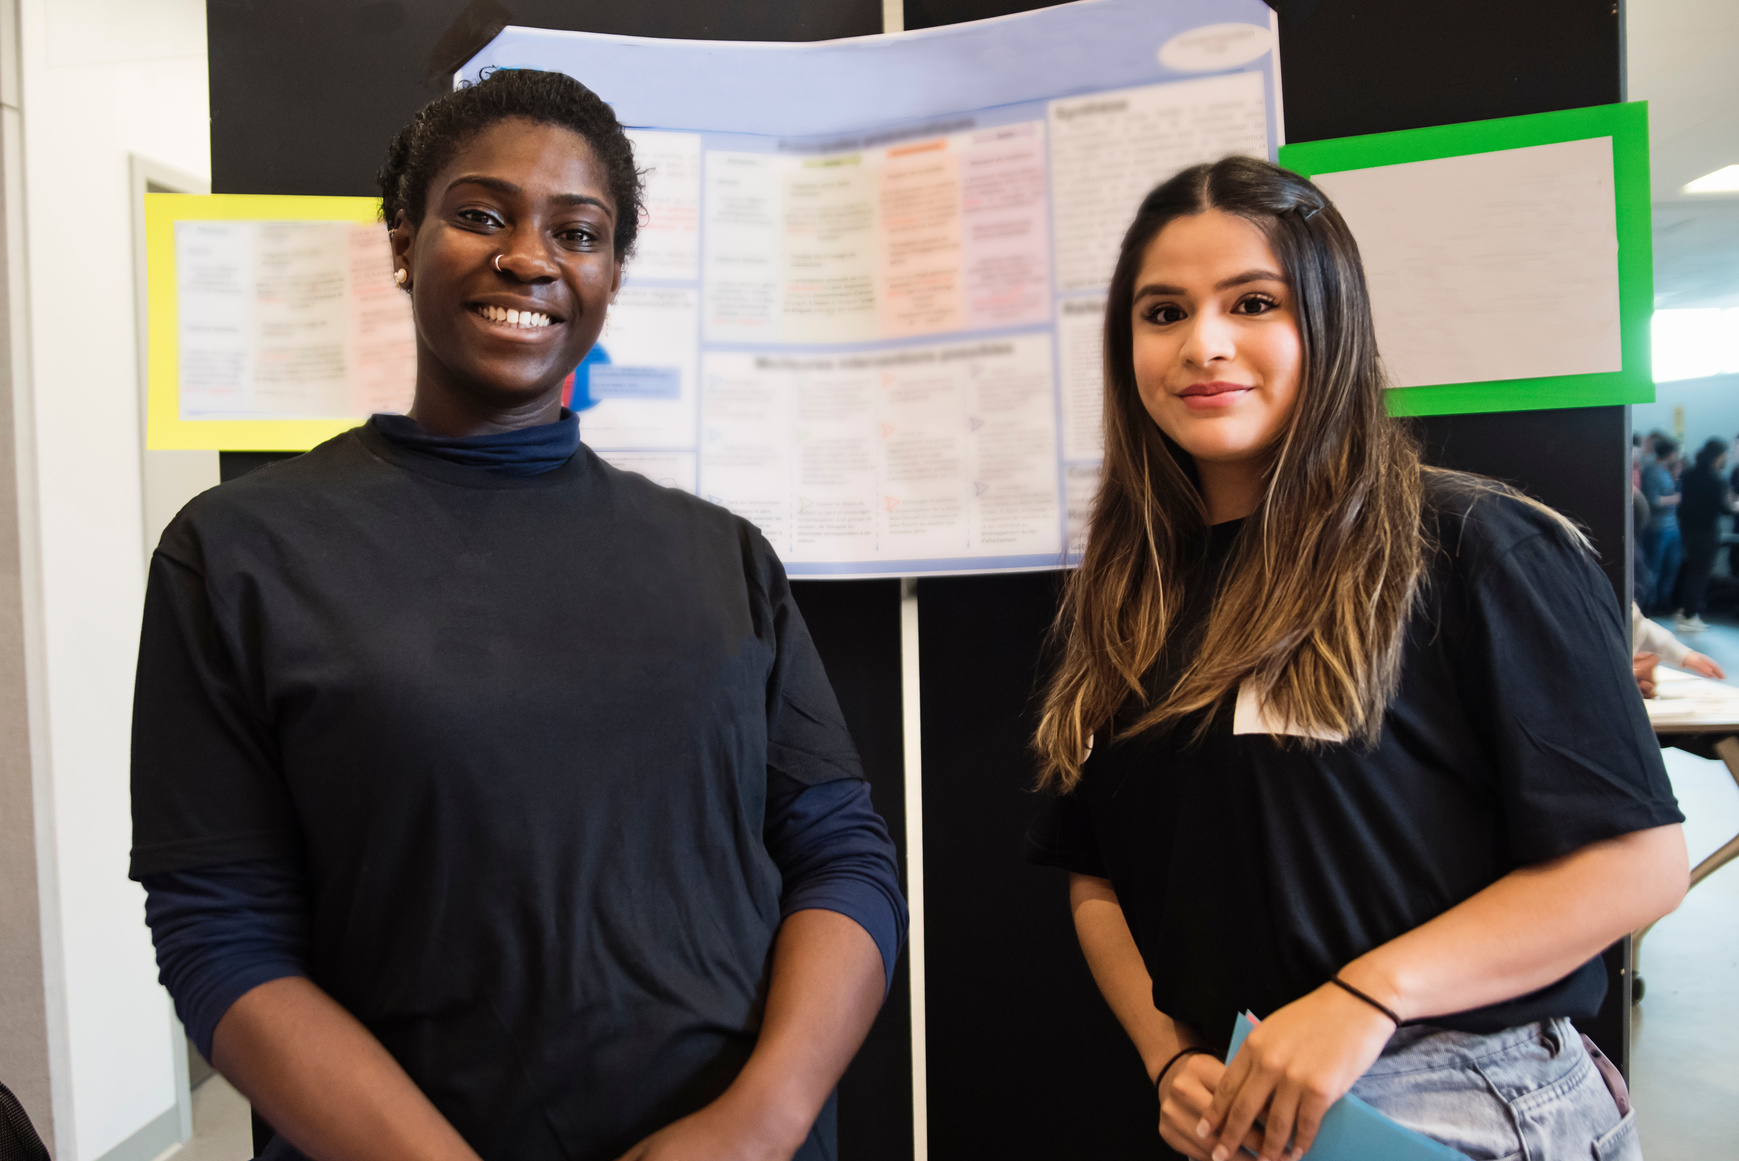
1322, 576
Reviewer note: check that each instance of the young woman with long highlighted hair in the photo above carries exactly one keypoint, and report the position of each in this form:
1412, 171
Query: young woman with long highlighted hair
1335, 737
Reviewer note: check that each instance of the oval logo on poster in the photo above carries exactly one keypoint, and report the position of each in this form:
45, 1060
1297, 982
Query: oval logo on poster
1215, 47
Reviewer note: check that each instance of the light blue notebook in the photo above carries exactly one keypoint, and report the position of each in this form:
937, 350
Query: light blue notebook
1353, 1131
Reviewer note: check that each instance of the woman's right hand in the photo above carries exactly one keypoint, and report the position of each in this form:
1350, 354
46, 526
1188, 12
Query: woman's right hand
1642, 667
1707, 666
1185, 1092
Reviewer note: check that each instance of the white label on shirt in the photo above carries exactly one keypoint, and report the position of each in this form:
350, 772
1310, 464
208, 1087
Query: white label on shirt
1253, 715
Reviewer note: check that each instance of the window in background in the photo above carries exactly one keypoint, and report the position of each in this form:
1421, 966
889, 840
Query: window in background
1694, 344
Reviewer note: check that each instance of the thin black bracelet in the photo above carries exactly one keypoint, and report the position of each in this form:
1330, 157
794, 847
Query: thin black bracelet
1159, 1077
1378, 1005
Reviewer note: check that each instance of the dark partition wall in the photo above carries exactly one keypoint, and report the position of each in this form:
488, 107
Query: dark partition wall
306, 95
856, 626
1025, 1060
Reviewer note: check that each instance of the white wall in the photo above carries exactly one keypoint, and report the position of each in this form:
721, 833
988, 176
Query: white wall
100, 79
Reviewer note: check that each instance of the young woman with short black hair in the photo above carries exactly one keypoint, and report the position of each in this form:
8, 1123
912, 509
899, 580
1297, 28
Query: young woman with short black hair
1337, 738
491, 801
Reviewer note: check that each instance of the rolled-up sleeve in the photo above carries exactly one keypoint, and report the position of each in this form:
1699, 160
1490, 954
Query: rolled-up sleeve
835, 854
222, 931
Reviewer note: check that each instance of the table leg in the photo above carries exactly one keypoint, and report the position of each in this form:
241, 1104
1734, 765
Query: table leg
1728, 749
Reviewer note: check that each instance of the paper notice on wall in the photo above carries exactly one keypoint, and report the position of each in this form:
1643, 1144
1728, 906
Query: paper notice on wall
381, 362
637, 389
877, 458
669, 236
922, 238
215, 271
1109, 149
1081, 332
1080, 487
1522, 242
746, 438
290, 319
828, 246
1005, 263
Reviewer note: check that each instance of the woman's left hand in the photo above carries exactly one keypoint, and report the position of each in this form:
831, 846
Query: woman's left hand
1291, 1068
718, 1132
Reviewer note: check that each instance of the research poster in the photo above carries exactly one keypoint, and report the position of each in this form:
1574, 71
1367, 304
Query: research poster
865, 308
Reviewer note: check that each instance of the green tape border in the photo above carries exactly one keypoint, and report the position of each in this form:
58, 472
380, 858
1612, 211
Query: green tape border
1627, 125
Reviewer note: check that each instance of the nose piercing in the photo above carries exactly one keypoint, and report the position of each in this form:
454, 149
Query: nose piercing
498, 269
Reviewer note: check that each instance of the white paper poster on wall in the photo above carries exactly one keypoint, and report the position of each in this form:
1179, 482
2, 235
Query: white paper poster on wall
865, 306
1523, 241
287, 319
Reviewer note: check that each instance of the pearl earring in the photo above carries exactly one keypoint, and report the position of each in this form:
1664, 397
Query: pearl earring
401, 276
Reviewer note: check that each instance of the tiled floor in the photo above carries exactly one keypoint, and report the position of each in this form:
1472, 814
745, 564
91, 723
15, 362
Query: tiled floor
1685, 1041
222, 1127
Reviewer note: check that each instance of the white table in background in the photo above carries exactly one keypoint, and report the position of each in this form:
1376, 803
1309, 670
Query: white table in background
1704, 716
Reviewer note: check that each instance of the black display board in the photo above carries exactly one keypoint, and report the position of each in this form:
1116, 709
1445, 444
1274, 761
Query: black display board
306, 95
1024, 1061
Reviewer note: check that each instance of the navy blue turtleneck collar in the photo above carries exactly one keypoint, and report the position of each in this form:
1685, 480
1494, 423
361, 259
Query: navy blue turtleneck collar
529, 451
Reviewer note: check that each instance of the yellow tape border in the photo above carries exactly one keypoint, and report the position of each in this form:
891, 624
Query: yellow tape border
164, 427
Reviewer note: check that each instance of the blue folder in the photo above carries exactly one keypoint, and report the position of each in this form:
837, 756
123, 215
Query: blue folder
1353, 1131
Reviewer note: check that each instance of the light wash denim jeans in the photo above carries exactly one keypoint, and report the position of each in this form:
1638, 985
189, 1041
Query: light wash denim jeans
1538, 1092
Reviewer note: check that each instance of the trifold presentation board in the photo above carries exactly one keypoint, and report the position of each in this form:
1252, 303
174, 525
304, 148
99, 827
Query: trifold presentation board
865, 309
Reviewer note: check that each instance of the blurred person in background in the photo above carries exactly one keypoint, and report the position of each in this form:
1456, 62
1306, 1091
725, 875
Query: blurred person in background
1703, 500
1661, 542
1641, 579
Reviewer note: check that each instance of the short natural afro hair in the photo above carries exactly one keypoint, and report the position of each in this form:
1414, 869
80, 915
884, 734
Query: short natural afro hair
446, 124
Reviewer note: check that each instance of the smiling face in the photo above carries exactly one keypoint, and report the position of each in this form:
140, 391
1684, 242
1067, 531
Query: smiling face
510, 271
1217, 351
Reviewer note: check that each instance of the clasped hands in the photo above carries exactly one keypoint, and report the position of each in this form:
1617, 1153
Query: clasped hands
1293, 1066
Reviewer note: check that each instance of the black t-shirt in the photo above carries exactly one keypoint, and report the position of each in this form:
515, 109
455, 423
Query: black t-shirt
1703, 503
1251, 868
519, 731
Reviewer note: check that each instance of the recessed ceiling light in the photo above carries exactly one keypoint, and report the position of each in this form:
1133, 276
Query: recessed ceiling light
1723, 180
